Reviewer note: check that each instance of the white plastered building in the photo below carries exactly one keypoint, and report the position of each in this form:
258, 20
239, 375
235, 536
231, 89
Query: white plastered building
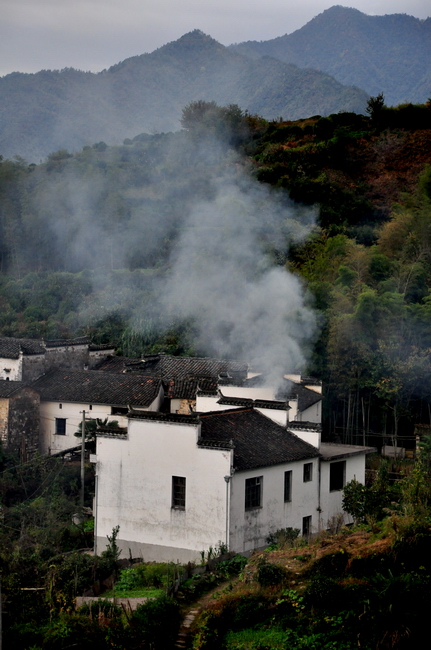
179, 484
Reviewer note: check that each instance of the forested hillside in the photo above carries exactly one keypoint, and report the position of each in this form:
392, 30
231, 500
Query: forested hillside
390, 54
312, 236
90, 245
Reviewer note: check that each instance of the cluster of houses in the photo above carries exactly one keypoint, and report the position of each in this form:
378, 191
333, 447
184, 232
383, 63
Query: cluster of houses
203, 450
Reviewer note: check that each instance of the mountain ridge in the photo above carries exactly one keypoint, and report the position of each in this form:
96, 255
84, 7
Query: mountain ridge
49, 110
389, 54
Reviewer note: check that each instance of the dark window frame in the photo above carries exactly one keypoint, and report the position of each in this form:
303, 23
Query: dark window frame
179, 492
337, 476
308, 472
60, 426
288, 486
306, 526
253, 492
119, 410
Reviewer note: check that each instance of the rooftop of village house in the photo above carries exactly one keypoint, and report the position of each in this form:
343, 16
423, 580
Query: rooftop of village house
11, 348
258, 441
95, 387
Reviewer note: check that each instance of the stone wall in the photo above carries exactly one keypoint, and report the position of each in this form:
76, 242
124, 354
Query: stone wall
23, 423
4, 417
73, 357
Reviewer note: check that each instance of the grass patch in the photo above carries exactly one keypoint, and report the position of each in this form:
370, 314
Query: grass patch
139, 592
251, 639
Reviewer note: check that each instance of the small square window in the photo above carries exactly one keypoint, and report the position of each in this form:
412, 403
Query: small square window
337, 475
60, 426
60, 406
253, 492
179, 492
288, 486
90, 408
308, 472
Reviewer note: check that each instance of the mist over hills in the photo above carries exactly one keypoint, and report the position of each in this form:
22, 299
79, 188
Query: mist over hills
389, 54
43, 112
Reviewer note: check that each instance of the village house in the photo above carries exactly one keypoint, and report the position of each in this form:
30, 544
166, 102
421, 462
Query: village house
178, 484
198, 384
181, 377
206, 451
66, 394
27, 359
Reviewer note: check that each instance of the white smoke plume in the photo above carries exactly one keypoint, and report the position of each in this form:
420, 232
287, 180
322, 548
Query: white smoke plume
223, 278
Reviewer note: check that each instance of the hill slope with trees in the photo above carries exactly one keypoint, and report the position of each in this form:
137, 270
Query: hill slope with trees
389, 54
43, 112
87, 242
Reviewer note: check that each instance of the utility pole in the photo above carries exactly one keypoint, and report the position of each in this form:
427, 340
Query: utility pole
82, 463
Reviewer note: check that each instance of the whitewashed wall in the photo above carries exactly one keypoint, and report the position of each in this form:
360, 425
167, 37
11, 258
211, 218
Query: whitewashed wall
49, 411
135, 492
51, 443
206, 403
331, 502
293, 411
249, 392
14, 366
249, 528
312, 414
276, 415
312, 437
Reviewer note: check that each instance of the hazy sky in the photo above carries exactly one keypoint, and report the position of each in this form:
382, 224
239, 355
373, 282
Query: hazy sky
95, 34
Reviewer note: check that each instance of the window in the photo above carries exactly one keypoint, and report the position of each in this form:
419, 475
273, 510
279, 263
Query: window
90, 407
308, 472
60, 426
306, 526
179, 492
253, 492
337, 475
119, 410
288, 486
60, 406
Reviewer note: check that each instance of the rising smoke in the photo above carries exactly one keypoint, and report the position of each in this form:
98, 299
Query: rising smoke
211, 238
223, 276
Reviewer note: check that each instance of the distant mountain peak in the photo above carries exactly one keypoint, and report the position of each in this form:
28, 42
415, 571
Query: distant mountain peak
195, 38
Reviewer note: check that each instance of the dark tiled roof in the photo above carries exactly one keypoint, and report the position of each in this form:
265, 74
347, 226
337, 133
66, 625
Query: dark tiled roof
164, 417
94, 387
184, 367
258, 441
216, 444
176, 367
93, 347
8, 388
332, 450
60, 343
115, 364
306, 396
304, 426
188, 387
182, 376
256, 403
112, 432
11, 348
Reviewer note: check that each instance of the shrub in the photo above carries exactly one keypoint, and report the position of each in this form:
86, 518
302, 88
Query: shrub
283, 537
156, 623
269, 575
